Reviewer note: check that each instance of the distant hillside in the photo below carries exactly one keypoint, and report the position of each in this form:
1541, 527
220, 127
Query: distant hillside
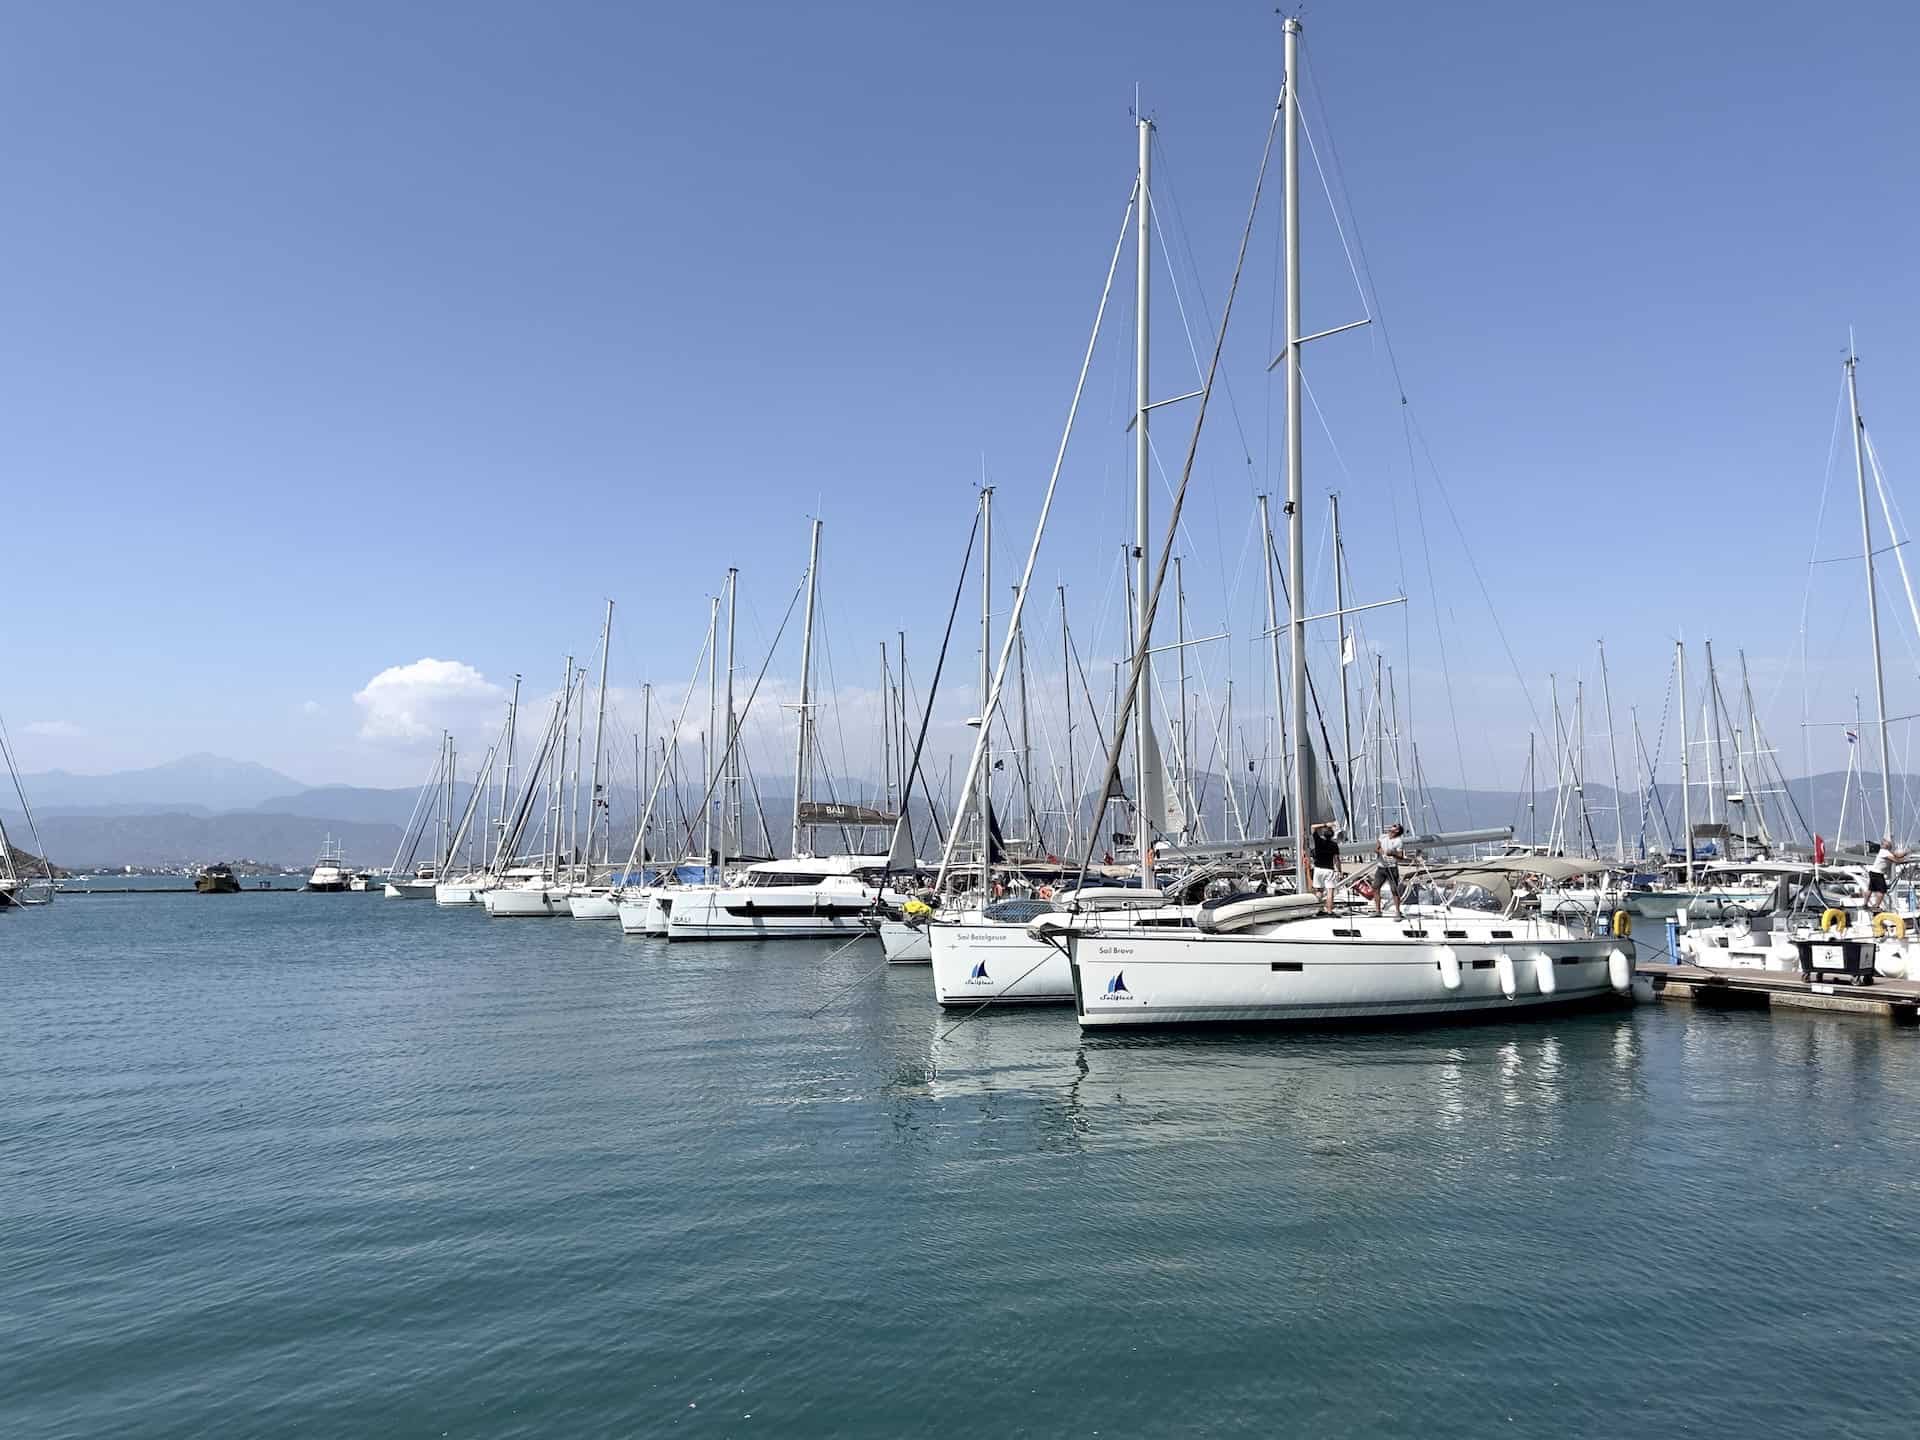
352, 802
194, 784
27, 865
88, 842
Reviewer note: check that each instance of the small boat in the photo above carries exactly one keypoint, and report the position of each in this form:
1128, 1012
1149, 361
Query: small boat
330, 874
217, 880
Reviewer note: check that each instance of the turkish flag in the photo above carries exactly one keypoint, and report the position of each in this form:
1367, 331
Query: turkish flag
1819, 850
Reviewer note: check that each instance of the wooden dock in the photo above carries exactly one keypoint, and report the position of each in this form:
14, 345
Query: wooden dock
1894, 1000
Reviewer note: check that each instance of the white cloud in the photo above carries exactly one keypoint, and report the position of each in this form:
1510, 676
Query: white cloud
412, 702
63, 728
311, 707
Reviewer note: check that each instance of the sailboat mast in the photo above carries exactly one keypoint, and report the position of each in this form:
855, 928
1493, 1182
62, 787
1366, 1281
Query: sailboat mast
1032, 831
983, 801
596, 804
1143, 493
1296, 531
1873, 594
801, 747
1613, 758
1273, 640
709, 740
1340, 609
1686, 783
1180, 646
729, 757
1073, 779
506, 781
646, 726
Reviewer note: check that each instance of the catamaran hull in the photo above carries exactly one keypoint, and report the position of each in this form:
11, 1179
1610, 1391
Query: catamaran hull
905, 944
595, 905
997, 962
765, 914
645, 913
1224, 980
511, 903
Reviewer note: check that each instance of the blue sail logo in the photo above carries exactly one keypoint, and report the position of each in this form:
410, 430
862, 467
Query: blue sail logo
979, 970
1117, 986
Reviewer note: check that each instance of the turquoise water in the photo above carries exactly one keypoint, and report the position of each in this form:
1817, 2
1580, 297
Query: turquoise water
307, 1165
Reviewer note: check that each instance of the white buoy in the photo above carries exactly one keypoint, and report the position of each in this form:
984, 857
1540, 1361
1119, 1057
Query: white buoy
1619, 970
1503, 967
1543, 972
1449, 967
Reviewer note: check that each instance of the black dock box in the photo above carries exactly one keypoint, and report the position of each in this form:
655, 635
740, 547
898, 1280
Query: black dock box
1850, 960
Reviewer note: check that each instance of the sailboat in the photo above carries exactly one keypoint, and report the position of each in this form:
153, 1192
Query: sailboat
1823, 931
803, 896
468, 885
982, 949
18, 890
529, 887
1277, 958
587, 898
434, 806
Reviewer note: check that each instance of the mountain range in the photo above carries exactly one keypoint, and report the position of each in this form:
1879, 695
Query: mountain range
207, 807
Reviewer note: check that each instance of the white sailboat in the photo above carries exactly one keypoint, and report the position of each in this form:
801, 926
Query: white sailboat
18, 891
469, 885
587, 898
407, 880
804, 896
1278, 959
530, 888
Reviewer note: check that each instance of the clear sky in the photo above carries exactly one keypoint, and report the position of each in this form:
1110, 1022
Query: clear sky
339, 337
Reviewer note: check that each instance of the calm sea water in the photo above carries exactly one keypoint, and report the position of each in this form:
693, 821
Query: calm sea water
304, 1165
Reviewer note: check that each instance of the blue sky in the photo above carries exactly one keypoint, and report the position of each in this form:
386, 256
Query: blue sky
339, 337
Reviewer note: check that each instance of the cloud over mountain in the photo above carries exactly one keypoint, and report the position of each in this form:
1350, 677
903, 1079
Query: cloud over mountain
412, 702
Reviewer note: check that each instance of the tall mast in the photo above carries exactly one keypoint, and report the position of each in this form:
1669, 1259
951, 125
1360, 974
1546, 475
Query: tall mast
1296, 531
708, 765
1273, 639
1143, 494
1180, 639
1533, 794
1613, 757
1340, 607
1873, 595
729, 755
506, 780
596, 804
1639, 777
802, 747
984, 800
886, 727
1380, 748
1026, 741
1686, 783
1073, 780
639, 804
1716, 765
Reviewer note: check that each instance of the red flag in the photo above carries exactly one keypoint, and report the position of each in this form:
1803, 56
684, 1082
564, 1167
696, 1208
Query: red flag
1819, 850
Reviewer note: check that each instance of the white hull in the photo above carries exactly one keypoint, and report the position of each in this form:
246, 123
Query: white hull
1344, 968
458, 892
644, 912
515, 902
593, 905
905, 944
769, 912
976, 960
411, 890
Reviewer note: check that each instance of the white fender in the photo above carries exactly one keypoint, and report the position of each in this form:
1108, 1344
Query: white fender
1643, 992
1449, 967
1890, 961
1619, 971
1543, 971
1503, 967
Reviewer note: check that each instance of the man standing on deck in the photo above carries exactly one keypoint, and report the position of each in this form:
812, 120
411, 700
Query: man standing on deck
1386, 874
1326, 864
1880, 874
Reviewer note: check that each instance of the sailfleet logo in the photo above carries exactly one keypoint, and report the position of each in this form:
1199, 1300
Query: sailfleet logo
1117, 987
979, 971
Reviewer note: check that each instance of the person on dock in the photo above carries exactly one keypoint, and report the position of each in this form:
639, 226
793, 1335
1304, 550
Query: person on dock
1386, 875
1880, 873
1326, 863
